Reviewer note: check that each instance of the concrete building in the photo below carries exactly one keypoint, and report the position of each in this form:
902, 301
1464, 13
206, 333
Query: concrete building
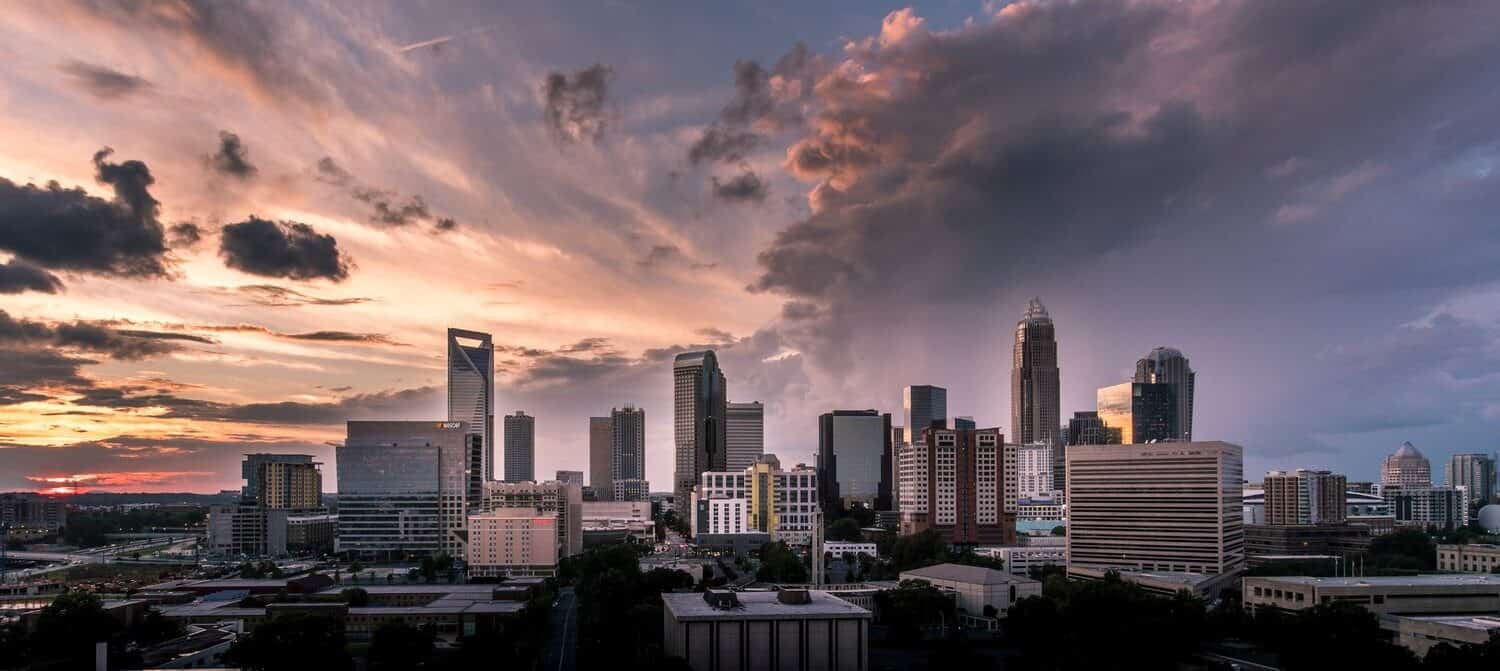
1020, 559
520, 447
627, 453
1034, 471
1035, 406
405, 487
1206, 586
569, 478
1266, 543
780, 503
1406, 467
1167, 365
1445, 594
246, 529
744, 434
700, 432
282, 481
838, 548
601, 459
311, 532
922, 405
978, 587
563, 500
1475, 474
1140, 412
513, 542
961, 484
27, 512
617, 521
1305, 497
787, 630
722, 516
1427, 507
1358, 507
1161, 507
854, 459
1422, 633
471, 391
1475, 558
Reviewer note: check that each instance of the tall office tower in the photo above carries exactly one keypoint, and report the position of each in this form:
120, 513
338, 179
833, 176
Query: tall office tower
1034, 471
570, 477
520, 447
1035, 408
1406, 467
745, 434
628, 454
1162, 507
1476, 474
764, 498
1141, 412
961, 484
601, 457
699, 406
471, 389
1165, 365
962, 423
282, 481
403, 488
565, 500
1305, 497
923, 405
853, 445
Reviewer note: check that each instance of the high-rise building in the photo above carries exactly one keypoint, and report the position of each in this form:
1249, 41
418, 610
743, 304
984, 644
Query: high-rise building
1406, 467
563, 500
282, 481
1427, 507
601, 458
962, 423
627, 447
745, 434
245, 529
1085, 428
922, 404
780, 503
404, 487
1035, 406
961, 484
24, 511
1141, 412
699, 406
1166, 365
1160, 507
520, 447
471, 390
1034, 471
853, 461
1475, 473
1305, 497
513, 542
570, 477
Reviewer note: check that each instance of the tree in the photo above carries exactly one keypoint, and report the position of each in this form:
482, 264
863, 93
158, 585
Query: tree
1338, 635
1059, 530
924, 548
844, 529
1405, 551
290, 641
398, 645
779, 564
67, 629
355, 597
1445, 656
913, 605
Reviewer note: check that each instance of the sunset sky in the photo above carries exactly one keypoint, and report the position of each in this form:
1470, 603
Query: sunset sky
265, 215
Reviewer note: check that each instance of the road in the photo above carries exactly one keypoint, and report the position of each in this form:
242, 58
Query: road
1243, 663
562, 644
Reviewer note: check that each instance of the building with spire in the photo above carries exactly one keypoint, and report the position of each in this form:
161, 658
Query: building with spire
471, 390
1406, 467
699, 407
1035, 414
1166, 365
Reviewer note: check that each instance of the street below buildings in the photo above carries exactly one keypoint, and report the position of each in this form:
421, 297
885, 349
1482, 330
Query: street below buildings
562, 644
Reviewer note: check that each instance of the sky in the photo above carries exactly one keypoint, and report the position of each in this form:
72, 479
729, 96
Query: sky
230, 227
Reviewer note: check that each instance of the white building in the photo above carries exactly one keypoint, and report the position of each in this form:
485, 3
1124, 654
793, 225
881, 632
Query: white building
789, 630
727, 516
838, 548
1033, 471
1428, 507
1020, 559
978, 587
783, 503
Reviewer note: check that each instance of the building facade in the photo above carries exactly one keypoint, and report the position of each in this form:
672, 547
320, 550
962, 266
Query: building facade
745, 434
977, 587
1475, 473
246, 529
922, 405
781, 503
627, 448
471, 390
1408, 595
1406, 467
1034, 471
1035, 405
1472, 558
405, 487
570, 477
789, 630
1305, 497
1166, 365
24, 511
699, 406
1140, 412
282, 481
1163, 507
564, 501
601, 457
853, 459
1427, 507
513, 542
961, 484
520, 447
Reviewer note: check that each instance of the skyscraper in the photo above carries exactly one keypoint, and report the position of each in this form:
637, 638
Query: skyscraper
853, 459
403, 488
520, 447
746, 434
627, 448
699, 406
1035, 407
1140, 412
282, 481
471, 389
601, 459
1476, 474
923, 404
960, 484
1305, 497
1165, 365
1406, 467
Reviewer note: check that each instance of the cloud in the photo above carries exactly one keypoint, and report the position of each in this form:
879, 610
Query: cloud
763, 102
282, 249
102, 82
574, 107
723, 144
184, 234
388, 210
17, 276
270, 295
745, 187
232, 158
1319, 198
67, 229
317, 336
93, 337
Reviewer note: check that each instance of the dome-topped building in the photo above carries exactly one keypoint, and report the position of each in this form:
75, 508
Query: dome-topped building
1406, 467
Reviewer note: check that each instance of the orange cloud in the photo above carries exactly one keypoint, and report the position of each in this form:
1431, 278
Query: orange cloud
76, 483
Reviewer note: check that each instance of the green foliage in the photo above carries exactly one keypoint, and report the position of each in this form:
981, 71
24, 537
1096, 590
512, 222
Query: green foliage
1335, 635
844, 529
398, 645
1447, 656
1406, 551
262, 569
1317, 568
1109, 624
88, 528
619, 607
921, 549
67, 629
779, 564
1059, 530
355, 597
291, 641
913, 605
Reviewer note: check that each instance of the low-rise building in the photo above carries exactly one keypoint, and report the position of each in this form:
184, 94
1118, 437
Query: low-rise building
311, 532
24, 512
1447, 594
246, 529
1477, 558
977, 587
564, 500
789, 630
512, 542
1422, 632
617, 522
1265, 540
1020, 559
839, 548
1206, 586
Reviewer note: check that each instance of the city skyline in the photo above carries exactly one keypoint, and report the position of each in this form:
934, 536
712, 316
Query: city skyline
283, 227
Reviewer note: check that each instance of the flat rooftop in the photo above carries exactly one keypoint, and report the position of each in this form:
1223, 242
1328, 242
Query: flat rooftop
762, 606
1475, 622
974, 575
1425, 580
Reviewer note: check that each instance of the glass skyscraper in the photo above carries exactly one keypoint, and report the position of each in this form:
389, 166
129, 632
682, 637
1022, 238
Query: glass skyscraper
1035, 414
923, 405
627, 447
471, 389
520, 447
854, 459
699, 406
1140, 412
1165, 365
403, 488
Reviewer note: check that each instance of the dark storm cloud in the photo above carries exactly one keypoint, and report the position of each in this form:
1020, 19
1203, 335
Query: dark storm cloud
763, 102
574, 107
388, 207
270, 295
317, 336
329, 171
723, 144
67, 229
745, 187
102, 82
29, 372
184, 234
17, 276
282, 249
232, 158
92, 336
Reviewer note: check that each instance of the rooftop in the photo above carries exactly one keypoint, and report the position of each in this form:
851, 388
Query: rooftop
976, 575
1476, 622
761, 606
1425, 580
